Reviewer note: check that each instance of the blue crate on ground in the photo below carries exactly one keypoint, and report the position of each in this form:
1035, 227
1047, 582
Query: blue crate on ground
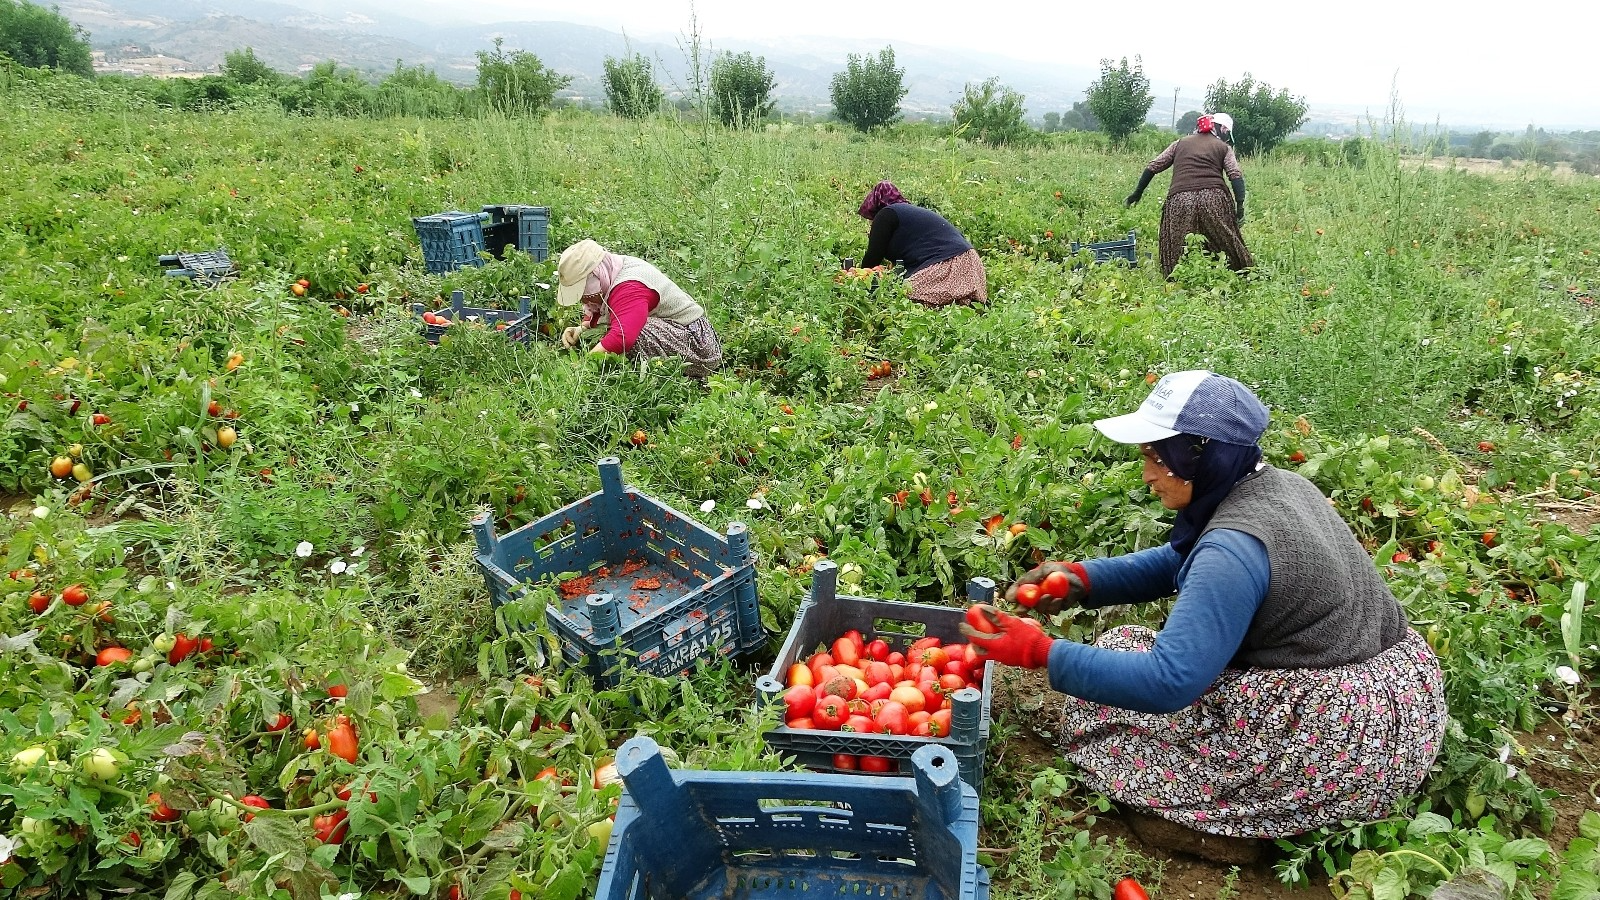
518, 322
529, 225
1126, 249
451, 239
693, 835
212, 266
826, 616
619, 539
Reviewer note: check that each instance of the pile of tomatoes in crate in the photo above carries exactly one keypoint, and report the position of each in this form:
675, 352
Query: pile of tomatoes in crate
862, 686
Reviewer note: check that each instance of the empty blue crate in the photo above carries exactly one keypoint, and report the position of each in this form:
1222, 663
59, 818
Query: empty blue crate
451, 240
212, 267
642, 585
1126, 249
826, 616
515, 324
528, 227
695, 835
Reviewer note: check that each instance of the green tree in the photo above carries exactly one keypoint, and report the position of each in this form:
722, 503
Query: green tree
741, 89
1120, 98
990, 112
631, 89
1481, 142
1052, 122
1261, 118
867, 94
1079, 118
1187, 122
419, 91
243, 67
39, 37
517, 83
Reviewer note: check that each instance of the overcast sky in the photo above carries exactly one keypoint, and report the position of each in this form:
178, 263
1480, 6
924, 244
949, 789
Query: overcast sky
1505, 62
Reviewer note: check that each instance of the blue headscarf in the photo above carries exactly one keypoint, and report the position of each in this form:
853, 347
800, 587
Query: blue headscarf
1213, 467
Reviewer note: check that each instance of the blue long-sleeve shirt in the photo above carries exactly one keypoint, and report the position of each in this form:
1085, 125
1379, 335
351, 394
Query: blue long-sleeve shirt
1220, 587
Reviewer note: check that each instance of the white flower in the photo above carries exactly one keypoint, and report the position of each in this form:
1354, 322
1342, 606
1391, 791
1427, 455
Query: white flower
1505, 753
337, 567
1567, 675
542, 285
416, 394
1511, 772
355, 407
41, 512
172, 585
753, 503
303, 549
358, 551
349, 896
708, 506
7, 847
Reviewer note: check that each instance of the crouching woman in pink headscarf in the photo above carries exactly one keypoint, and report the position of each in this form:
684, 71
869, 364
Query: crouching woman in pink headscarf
941, 266
644, 313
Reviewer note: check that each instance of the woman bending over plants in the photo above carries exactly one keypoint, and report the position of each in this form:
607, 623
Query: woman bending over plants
1286, 690
1197, 200
644, 313
941, 266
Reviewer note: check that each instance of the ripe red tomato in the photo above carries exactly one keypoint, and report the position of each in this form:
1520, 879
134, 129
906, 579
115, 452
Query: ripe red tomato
896, 659
803, 723
255, 802
1490, 538
338, 690
878, 650
879, 691
939, 723
830, 712
1057, 585
1486, 446
893, 717
75, 595
978, 618
331, 828
100, 419
860, 723
800, 674
160, 811
845, 761
799, 701
280, 722
1128, 889
183, 647
845, 652
1028, 595
312, 740
213, 409
110, 656
39, 601
877, 764
342, 742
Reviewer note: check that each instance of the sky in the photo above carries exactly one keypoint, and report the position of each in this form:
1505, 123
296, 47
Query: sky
1464, 62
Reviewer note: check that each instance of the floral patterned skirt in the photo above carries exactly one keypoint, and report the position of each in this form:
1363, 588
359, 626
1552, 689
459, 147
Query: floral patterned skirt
1206, 212
696, 342
960, 279
1269, 753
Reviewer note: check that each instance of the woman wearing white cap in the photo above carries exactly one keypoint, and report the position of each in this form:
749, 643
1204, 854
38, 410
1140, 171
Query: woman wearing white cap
644, 313
1197, 200
1286, 690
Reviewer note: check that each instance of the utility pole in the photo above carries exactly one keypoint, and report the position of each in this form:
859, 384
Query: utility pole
1175, 108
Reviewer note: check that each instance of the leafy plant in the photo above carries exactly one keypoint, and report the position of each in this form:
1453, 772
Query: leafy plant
867, 94
1120, 98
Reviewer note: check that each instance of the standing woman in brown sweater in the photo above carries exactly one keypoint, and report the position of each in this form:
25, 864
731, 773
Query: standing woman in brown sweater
1197, 201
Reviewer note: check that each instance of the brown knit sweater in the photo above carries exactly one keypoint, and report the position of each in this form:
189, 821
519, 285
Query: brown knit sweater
1198, 162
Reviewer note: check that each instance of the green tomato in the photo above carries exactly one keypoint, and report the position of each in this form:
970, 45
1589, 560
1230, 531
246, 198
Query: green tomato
144, 664
1423, 482
26, 760
37, 830
100, 765
164, 643
601, 831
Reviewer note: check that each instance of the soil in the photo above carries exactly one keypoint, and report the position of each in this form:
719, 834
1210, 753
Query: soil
1560, 757
439, 705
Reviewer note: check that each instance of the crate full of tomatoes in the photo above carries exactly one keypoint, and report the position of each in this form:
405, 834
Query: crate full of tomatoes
864, 683
639, 584
515, 324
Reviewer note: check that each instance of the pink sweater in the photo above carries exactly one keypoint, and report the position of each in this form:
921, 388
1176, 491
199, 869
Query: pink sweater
630, 303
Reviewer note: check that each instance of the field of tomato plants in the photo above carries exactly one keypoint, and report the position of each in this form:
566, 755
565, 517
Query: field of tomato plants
244, 647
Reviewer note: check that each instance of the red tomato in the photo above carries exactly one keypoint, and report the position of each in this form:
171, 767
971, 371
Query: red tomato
338, 690
110, 656
939, 723
877, 764
331, 828
255, 802
1057, 585
956, 667
203, 646
455, 892
978, 619
75, 595
39, 601
909, 697
860, 724
342, 742
844, 761
800, 673
932, 698
878, 650
280, 722
875, 672
896, 659
855, 637
183, 647
952, 683
830, 712
799, 701
804, 722
879, 691
160, 811
312, 740
845, 652
546, 774
921, 644
1128, 889
1028, 595
816, 662
933, 657
894, 717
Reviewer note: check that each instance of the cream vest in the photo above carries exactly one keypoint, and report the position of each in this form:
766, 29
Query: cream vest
675, 306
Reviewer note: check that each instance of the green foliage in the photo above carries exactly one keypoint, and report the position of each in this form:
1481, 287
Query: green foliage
867, 94
631, 90
242, 67
741, 89
38, 37
991, 113
1080, 118
1120, 98
517, 83
1187, 121
1261, 118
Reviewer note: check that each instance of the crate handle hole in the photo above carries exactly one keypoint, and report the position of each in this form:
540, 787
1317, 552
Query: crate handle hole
898, 859
736, 820
845, 854
800, 853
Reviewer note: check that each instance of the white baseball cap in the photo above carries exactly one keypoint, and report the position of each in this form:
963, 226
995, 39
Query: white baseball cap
1195, 402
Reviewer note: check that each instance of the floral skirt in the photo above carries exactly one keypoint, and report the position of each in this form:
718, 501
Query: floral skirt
1269, 753
1207, 212
960, 279
696, 342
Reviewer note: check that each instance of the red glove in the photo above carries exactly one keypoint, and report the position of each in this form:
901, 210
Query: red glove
1015, 641
1076, 587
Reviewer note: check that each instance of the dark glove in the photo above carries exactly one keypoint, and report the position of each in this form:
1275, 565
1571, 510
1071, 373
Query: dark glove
1144, 182
1049, 604
1133, 198
1238, 214
1238, 199
1015, 641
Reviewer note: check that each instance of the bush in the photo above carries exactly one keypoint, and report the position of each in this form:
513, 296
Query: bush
867, 94
992, 113
741, 89
1261, 119
631, 90
39, 37
1120, 98
516, 82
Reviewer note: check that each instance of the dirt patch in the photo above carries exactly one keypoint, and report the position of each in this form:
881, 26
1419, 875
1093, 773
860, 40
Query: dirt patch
438, 707
1494, 167
1566, 759
1025, 699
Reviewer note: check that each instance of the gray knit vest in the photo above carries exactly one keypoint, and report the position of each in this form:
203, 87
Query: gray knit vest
1326, 603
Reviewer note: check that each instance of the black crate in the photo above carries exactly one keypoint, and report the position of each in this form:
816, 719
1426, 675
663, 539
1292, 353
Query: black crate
516, 324
705, 604
526, 227
1125, 250
827, 615
212, 266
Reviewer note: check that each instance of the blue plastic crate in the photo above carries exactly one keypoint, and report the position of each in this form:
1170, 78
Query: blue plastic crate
451, 240
212, 267
693, 835
1126, 249
617, 537
826, 616
518, 322
529, 225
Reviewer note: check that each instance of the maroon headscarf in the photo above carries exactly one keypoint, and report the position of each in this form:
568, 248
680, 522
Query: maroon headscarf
884, 194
